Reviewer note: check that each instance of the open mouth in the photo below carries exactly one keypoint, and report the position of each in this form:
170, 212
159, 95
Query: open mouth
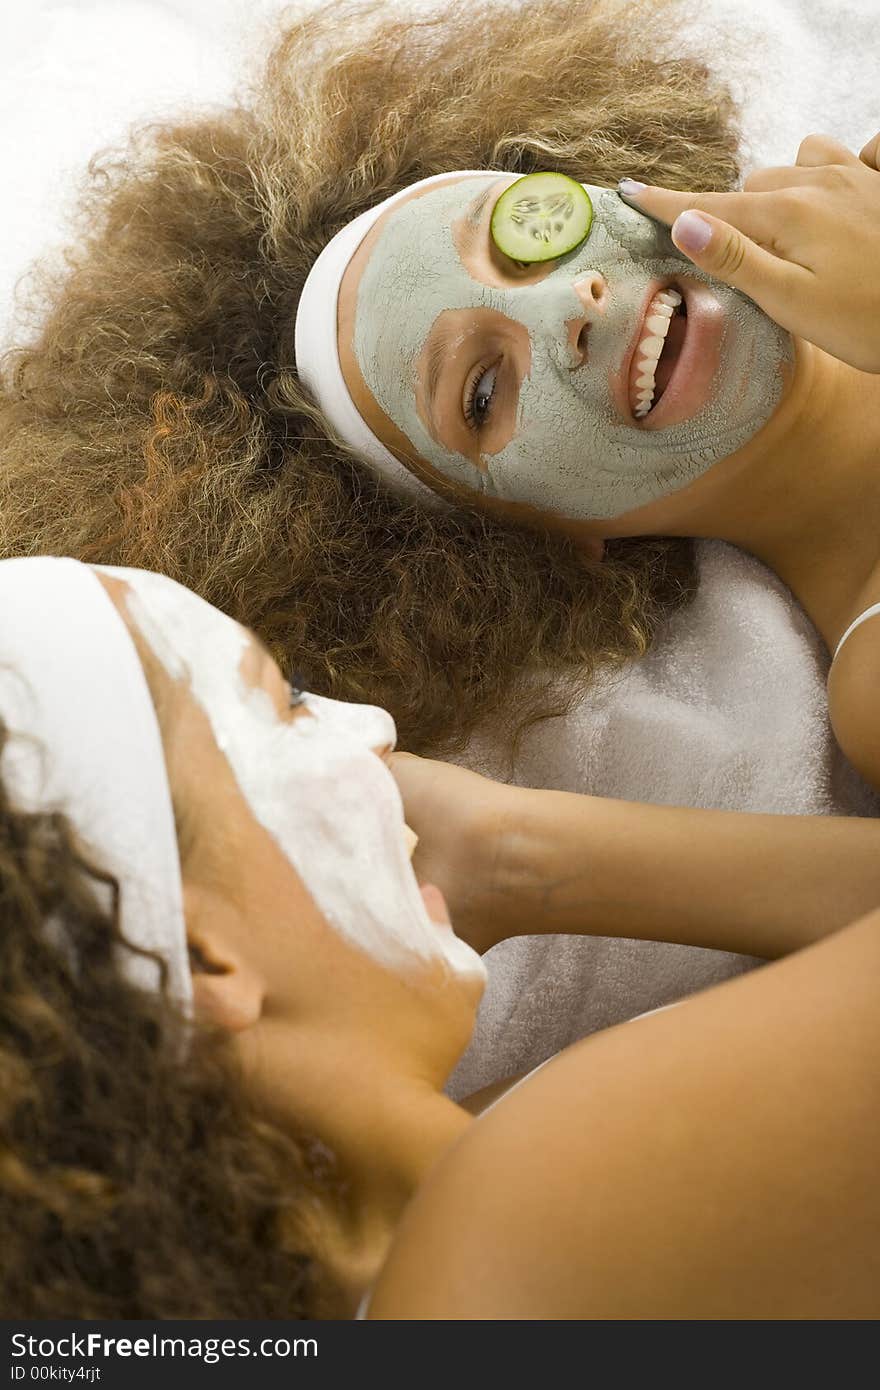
672, 364
661, 339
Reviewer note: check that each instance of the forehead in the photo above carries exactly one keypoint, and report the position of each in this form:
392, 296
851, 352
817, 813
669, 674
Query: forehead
416, 222
412, 271
439, 203
180, 626
428, 251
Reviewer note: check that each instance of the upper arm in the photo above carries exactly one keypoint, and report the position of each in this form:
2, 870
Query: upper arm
853, 705
715, 1160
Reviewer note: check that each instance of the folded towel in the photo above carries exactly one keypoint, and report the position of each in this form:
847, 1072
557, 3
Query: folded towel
727, 711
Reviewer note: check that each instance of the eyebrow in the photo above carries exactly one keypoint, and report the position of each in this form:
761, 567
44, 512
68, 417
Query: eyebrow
475, 213
439, 344
437, 353
473, 218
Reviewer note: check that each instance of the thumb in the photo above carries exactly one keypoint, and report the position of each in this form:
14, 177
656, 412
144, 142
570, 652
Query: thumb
729, 255
711, 244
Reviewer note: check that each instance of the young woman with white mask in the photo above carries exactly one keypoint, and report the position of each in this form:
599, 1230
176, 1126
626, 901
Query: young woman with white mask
255, 846
245, 1048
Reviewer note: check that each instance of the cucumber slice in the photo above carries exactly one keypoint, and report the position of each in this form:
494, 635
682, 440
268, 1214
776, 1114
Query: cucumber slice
540, 217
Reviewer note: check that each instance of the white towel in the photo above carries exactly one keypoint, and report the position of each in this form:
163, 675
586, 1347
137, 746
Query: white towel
73, 77
728, 711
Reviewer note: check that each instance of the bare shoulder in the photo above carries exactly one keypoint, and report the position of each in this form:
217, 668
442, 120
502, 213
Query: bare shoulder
539, 1210
853, 706
663, 1168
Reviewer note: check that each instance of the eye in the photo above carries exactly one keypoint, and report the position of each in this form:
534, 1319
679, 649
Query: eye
479, 397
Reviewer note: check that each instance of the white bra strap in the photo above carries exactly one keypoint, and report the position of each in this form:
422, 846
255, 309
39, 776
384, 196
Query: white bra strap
868, 613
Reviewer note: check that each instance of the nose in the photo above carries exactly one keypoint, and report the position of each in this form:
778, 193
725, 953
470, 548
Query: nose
381, 732
592, 291
361, 726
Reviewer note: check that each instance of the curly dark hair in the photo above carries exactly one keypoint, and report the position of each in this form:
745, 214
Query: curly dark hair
136, 1180
156, 419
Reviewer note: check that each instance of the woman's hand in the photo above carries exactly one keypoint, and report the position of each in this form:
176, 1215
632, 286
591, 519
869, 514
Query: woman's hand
514, 861
460, 820
802, 242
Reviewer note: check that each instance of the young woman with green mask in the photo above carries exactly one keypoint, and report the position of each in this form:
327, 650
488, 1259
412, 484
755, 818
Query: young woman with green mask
621, 390
513, 861
110, 435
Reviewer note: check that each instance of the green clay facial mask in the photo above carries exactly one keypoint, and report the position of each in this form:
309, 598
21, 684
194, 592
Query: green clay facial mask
577, 450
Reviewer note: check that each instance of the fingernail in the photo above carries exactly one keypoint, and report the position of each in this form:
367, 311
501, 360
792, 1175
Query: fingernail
631, 188
691, 232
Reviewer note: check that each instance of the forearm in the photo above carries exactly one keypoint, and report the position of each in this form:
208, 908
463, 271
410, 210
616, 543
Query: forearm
757, 884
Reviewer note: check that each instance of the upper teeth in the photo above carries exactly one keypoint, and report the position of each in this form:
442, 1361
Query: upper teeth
647, 355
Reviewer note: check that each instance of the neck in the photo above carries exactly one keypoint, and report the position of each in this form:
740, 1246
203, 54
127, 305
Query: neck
811, 509
382, 1133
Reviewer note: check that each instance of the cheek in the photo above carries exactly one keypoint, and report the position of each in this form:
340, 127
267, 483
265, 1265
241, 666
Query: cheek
319, 804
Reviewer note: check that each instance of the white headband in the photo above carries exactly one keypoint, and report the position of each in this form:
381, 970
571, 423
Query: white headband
317, 351
83, 739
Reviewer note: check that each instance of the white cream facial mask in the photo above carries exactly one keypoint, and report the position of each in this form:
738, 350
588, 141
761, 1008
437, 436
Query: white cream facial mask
572, 453
314, 782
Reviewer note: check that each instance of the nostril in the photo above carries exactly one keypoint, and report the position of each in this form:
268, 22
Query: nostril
598, 288
592, 291
582, 340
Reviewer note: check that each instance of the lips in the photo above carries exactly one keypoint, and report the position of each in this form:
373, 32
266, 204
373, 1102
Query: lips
688, 361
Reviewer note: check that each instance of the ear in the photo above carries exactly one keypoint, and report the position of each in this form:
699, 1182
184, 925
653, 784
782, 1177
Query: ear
227, 991
589, 546
592, 548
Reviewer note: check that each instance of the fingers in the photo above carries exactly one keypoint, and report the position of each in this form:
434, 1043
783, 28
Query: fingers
826, 177
870, 153
771, 179
784, 176
750, 212
815, 154
823, 149
725, 253
665, 204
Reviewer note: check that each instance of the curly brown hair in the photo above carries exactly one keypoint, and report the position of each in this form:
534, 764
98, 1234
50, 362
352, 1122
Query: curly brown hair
156, 419
136, 1180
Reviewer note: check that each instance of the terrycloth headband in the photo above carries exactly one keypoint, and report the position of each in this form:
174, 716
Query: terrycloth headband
317, 351
84, 740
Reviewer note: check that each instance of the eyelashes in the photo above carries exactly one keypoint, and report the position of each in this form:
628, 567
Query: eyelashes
297, 689
475, 394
